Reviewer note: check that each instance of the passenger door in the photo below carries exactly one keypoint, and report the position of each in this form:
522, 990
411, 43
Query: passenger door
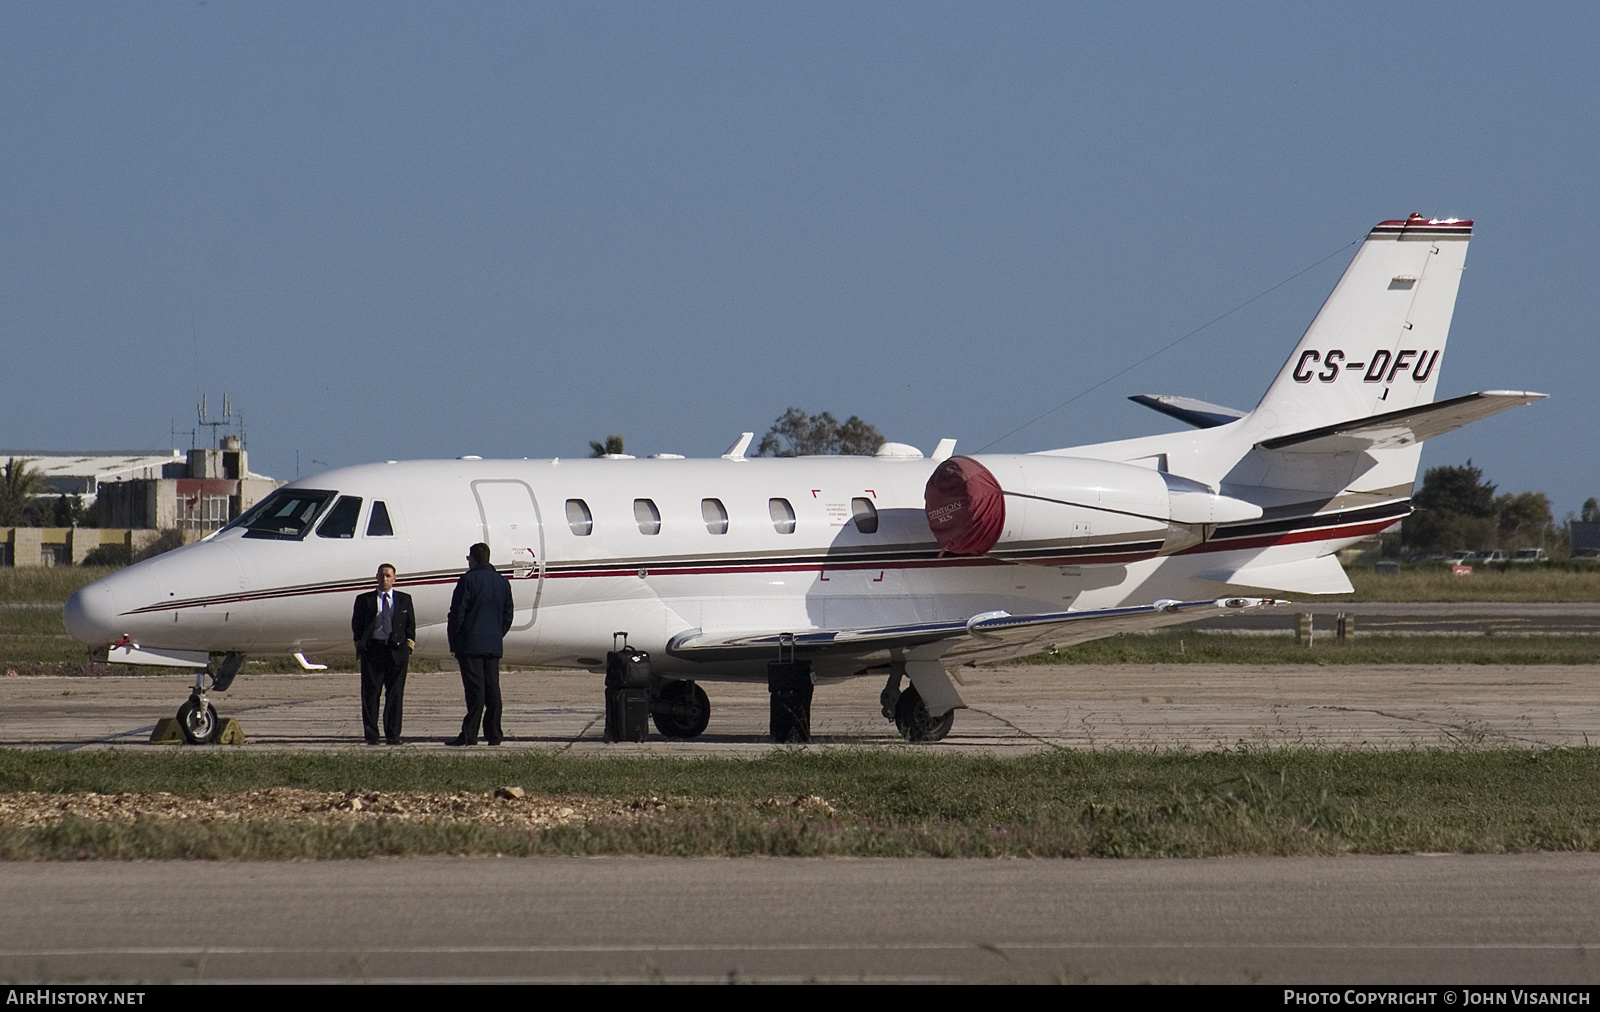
513, 530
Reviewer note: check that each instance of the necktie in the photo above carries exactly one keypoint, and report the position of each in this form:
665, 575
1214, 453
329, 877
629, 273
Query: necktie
385, 618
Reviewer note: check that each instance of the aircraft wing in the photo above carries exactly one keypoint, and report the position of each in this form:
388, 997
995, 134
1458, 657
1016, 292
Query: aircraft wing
994, 635
1400, 428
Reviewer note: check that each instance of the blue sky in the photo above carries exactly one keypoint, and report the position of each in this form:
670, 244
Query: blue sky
401, 230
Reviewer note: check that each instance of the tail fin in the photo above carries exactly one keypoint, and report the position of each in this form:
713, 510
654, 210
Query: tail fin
1377, 343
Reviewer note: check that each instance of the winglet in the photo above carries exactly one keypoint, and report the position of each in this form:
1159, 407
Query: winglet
1200, 414
736, 451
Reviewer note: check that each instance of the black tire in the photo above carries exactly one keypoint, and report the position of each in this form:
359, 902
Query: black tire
911, 717
200, 725
681, 710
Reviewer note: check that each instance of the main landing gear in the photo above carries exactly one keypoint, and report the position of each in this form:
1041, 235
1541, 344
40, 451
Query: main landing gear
910, 713
635, 696
197, 717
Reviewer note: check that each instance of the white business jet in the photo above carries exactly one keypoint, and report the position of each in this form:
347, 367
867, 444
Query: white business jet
663, 573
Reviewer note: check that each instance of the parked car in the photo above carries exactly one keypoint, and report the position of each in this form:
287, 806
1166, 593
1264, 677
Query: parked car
1457, 558
1529, 555
1485, 555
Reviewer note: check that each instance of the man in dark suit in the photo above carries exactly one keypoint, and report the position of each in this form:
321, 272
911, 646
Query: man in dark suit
385, 629
480, 617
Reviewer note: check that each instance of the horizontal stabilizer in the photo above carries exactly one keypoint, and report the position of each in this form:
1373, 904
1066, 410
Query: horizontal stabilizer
991, 635
1188, 410
1404, 427
1322, 575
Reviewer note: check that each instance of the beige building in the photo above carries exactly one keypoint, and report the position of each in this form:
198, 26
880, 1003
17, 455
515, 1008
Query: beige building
138, 495
214, 488
66, 546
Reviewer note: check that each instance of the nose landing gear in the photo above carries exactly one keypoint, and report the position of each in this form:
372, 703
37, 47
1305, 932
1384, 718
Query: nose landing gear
198, 720
197, 717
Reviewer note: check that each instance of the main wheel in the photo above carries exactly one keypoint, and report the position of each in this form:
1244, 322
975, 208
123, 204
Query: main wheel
200, 724
911, 717
682, 710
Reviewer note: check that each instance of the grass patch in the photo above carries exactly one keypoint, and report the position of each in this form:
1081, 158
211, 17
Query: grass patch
1434, 582
46, 584
1194, 647
903, 803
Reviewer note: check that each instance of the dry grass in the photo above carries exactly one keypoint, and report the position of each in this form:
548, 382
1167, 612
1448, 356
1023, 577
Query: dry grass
905, 803
1502, 583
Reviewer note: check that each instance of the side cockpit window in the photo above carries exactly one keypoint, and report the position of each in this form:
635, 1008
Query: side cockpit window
341, 521
285, 515
378, 525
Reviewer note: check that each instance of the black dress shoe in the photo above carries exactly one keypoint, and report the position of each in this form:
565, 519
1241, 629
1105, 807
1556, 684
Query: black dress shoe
495, 741
372, 741
391, 741
458, 741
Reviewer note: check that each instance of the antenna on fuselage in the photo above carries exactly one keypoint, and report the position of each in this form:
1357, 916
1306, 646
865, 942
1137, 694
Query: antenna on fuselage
736, 451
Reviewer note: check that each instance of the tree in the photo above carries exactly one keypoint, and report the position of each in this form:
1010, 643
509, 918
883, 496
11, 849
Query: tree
797, 434
1455, 510
1523, 518
1591, 511
613, 444
18, 485
67, 511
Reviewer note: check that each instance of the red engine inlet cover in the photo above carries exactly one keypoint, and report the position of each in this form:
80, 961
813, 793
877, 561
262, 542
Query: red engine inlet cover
966, 509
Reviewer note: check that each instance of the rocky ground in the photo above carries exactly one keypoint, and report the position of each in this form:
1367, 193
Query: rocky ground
506, 806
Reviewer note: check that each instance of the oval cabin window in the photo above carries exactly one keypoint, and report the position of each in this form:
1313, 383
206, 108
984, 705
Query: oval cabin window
782, 515
866, 515
715, 515
579, 518
648, 516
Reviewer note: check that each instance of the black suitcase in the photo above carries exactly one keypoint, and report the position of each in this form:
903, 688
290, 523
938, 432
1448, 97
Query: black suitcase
789, 684
627, 695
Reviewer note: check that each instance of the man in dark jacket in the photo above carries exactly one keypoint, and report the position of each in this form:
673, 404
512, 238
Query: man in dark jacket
384, 627
480, 617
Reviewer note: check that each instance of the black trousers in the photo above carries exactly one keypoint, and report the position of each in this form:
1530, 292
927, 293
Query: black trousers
383, 670
480, 679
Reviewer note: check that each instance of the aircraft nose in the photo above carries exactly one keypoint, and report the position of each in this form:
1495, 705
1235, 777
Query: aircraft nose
91, 615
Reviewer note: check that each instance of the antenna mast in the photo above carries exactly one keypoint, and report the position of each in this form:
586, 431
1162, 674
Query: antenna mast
214, 424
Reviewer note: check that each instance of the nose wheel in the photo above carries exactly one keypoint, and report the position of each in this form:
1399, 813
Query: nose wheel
198, 719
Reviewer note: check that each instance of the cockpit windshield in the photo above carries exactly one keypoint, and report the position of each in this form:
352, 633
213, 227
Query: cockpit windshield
286, 514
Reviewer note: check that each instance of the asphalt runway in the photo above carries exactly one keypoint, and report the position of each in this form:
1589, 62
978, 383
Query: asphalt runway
1409, 919
1011, 710
1525, 919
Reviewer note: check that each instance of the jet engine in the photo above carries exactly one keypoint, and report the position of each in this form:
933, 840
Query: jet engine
1041, 508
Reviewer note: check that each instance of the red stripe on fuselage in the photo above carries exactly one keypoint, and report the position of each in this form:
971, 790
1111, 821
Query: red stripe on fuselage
679, 569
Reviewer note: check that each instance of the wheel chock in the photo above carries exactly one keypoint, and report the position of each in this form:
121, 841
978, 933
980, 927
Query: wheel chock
167, 732
232, 733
